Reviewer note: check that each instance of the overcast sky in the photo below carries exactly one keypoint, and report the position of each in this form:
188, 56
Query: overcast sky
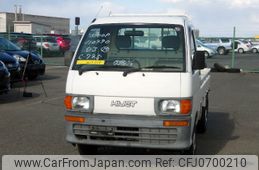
211, 17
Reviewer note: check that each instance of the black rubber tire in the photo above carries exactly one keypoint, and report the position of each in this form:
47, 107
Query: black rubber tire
221, 51
219, 67
193, 148
203, 122
240, 50
254, 50
206, 54
87, 149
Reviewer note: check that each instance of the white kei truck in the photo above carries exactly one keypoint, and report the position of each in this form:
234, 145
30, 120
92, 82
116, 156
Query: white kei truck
137, 81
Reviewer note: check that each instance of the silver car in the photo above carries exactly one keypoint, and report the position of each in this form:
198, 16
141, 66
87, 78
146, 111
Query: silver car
222, 45
208, 51
48, 43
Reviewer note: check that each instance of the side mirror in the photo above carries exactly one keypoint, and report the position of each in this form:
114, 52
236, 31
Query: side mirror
199, 60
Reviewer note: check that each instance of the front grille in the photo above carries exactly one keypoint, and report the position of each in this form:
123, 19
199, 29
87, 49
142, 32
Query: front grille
132, 134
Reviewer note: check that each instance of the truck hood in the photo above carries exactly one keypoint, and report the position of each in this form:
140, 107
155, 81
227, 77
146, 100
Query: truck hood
113, 83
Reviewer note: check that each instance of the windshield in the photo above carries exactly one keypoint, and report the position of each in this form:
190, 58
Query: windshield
144, 47
7, 45
198, 42
50, 39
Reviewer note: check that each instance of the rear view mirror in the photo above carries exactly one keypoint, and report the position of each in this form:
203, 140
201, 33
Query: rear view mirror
171, 42
134, 33
199, 60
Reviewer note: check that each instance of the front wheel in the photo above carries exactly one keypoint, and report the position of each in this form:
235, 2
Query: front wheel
193, 149
254, 50
87, 149
206, 54
241, 51
203, 122
221, 50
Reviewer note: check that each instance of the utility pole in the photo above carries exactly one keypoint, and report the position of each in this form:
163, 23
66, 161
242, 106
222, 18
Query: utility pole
233, 48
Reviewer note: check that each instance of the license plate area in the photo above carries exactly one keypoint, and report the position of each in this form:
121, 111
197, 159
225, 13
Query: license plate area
102, 130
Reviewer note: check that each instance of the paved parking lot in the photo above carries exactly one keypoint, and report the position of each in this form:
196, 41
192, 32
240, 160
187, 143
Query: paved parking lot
36, 125
247, 61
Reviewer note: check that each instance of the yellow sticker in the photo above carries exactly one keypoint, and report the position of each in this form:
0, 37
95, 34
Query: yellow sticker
90, 62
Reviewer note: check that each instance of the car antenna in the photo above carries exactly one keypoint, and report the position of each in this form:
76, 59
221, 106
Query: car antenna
97, 14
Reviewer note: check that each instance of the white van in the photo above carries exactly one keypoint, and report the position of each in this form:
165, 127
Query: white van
137, 81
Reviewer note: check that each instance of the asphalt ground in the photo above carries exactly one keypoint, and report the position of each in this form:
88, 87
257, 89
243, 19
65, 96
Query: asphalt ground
248, 62
36, 125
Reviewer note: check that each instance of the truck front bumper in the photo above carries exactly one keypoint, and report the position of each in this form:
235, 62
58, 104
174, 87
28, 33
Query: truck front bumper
129, 131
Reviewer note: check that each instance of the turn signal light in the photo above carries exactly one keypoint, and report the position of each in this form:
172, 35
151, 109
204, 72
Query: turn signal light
167, 123
75, 119
186, 106
68, 102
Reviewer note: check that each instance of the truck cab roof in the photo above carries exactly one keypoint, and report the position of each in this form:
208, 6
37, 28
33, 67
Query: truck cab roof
143, 19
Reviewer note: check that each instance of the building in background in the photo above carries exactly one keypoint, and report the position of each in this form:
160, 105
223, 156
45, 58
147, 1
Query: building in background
33, 24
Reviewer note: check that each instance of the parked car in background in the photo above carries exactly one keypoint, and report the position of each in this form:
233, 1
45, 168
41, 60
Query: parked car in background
63, 41
242, 46
22, 40
25, 43
247, 42
4, 78
35, 65
208, 52
12, 65
255, 48
48, 43
222, 45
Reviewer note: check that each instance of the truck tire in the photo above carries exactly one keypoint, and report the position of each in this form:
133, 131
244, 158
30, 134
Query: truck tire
203, 122
87, 149
193, 148
221, 50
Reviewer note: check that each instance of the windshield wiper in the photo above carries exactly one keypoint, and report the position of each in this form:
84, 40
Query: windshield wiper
132, 70
86, 69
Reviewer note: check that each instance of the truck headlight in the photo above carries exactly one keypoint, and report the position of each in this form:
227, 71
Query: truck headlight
81, 103
170, 106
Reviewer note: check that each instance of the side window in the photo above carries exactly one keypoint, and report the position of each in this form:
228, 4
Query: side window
192, 43
225, 40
